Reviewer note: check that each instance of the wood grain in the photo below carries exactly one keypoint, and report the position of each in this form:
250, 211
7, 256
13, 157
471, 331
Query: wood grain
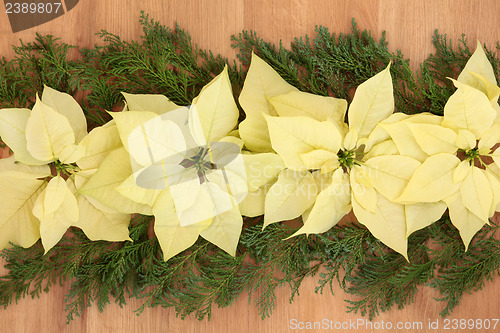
409, 25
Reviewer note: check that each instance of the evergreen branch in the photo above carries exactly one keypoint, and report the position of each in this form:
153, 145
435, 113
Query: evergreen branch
164, 62
279, 58
167, 276
327, 65
344, 248
468, 272
277, 262
217, 281
26, 268
98, 269
43, 61
387, 279
205, 275
446, 63
108, 270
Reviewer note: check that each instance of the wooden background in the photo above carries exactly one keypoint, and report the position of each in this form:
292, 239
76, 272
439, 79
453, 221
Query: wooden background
409, 26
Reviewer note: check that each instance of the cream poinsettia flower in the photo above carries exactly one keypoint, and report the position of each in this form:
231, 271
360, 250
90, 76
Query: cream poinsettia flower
53, 156
332, 167
205, 179
264, 94
462, 169
184, 164
113, 183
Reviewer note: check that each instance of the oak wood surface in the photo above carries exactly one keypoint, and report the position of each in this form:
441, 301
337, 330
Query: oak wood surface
409, 25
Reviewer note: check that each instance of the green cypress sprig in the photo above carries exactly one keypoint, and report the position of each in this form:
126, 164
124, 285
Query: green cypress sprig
463, 272
108, 269
445, 63
384, 281
164, 61
43, 61
331, 65
97, 269
270, 253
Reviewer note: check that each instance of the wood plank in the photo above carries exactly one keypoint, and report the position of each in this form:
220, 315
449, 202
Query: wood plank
409, 25
211, 23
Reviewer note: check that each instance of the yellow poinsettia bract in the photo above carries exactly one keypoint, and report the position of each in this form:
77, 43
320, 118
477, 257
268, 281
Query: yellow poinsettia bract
333, 167
458, 171
48, 143
182, 165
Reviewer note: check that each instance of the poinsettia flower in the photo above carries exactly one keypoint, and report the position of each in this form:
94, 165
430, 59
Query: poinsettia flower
331, 169
205, 180
180, 166
264, 94
262, 170
52, 135
113, 183
261, 83
20, 184
459, 172
479, 74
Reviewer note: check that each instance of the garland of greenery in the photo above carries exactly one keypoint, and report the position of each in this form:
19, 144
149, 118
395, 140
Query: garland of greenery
166, 62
